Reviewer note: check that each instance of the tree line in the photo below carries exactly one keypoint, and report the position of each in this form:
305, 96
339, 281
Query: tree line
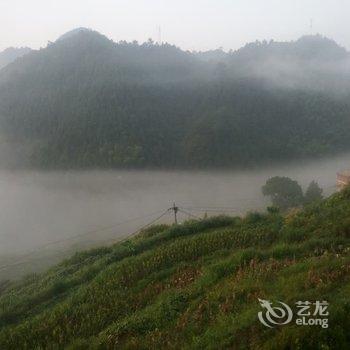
286, 193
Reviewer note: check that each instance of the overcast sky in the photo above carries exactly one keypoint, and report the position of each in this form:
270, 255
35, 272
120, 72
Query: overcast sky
190, 24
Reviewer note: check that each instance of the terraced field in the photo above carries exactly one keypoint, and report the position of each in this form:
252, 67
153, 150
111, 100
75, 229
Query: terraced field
192, 286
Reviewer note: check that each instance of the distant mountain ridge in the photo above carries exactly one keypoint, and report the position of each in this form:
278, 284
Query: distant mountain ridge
258, 59
11, 54
306, 47
73, 32
86, 101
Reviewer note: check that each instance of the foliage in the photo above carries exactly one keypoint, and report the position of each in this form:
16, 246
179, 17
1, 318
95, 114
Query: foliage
285, 193
192, 286
85, 101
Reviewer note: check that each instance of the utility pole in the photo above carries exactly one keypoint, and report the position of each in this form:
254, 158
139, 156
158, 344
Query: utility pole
175, 209
160, 35
311, 26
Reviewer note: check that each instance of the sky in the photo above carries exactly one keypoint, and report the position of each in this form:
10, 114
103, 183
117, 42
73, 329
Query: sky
189, 24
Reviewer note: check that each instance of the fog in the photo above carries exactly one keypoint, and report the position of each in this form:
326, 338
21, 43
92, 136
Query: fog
332, 77
37, 208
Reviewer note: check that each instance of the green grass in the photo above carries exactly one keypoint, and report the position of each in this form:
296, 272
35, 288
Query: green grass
192, 286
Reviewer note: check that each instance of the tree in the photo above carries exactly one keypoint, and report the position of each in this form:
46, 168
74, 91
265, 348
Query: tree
313, 193
284, 192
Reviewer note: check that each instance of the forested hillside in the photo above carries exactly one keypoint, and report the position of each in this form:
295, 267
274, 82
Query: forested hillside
86, 101
192, 286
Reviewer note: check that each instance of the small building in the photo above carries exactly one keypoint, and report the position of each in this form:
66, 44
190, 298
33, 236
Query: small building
343, 179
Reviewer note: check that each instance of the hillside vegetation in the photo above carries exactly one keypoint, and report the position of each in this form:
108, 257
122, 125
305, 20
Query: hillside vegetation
192, 286
86, 101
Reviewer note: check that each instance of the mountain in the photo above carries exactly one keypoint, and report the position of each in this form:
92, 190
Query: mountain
86, 101
11, 54
73, 32
307, 48
312, 62
84, 49
194, 286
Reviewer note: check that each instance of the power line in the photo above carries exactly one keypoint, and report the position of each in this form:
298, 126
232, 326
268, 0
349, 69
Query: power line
174, 208
189, 214
128, 236
147, 225
216, 209
84, 234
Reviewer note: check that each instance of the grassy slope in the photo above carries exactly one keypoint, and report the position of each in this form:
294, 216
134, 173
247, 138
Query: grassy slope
193, 286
